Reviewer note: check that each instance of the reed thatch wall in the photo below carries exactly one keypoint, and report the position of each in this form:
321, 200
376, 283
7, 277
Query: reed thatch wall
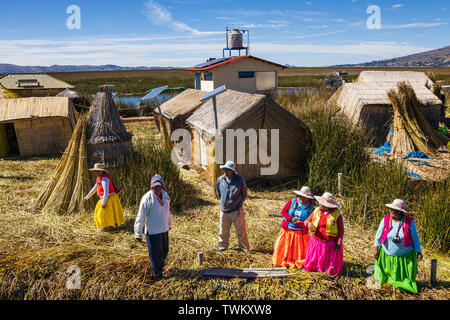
237, 110
42, 136
108, 141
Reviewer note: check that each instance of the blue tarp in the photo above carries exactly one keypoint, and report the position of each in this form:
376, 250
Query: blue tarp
414, 175
385, 147
418, 154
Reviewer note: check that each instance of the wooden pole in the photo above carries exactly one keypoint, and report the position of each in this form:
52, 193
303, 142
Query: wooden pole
340, 186
366, 200
433, 271
200, 258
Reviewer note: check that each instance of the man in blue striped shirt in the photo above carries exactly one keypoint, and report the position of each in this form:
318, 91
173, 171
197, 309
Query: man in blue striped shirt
231, 189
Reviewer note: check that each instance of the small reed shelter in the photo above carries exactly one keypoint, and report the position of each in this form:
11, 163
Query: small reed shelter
175, 111
33, 85
239, 110
35, 126
108, 141
367, 104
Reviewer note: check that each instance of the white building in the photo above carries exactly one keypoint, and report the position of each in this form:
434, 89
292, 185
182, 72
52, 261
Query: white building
240, 73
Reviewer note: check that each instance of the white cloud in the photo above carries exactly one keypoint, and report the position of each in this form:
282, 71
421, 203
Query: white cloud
414, 25
182, 52
397, 5
160, 16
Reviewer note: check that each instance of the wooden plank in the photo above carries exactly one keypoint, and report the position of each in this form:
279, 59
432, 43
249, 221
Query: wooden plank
246, 272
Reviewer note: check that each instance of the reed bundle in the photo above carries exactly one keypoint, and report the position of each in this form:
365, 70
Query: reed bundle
411, 130
70, 182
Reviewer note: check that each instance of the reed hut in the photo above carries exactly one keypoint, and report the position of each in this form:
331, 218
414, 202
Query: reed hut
368, 104
34, 85
175, 111
107, 139
239, 110
79, 101
412, 77
35, 126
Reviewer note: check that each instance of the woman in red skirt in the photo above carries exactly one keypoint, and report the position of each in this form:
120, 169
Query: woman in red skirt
290, 246
325, 253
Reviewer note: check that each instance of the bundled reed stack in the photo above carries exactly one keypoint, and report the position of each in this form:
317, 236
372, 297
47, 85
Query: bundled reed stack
70, 182
411, 130
108, 142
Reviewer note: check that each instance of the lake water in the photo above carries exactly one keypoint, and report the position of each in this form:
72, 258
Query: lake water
163, 97
135, 100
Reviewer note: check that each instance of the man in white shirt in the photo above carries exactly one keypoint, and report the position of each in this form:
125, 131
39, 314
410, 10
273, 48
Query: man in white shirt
154, 216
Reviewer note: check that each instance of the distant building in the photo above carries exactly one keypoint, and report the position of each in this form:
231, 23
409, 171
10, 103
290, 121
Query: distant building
33, 85
240, 73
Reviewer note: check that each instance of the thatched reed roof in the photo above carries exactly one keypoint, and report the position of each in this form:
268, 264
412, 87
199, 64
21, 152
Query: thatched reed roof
105, 125
182, 104
71, 94
231, 105
417, 78
36, 107
6, 94
32, 81
352, 97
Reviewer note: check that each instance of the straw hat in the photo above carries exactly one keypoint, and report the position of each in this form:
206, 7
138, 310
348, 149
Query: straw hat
98, 167
327, 200
397, 204
229, 165
305, 192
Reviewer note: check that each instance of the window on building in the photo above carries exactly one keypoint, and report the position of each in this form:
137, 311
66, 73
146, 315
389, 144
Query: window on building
246, 74
207, 76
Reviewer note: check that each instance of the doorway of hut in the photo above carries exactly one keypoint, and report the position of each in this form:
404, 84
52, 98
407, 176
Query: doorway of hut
8, 140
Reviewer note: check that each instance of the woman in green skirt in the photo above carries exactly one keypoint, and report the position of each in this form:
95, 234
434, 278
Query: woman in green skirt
397, 249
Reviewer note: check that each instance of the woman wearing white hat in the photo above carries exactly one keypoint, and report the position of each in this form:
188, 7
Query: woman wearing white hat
397, 249
325, 252
108, 211
290, 246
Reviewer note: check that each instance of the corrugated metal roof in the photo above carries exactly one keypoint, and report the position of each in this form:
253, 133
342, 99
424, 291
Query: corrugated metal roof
182, 104
221, 62
32, 81
36, 107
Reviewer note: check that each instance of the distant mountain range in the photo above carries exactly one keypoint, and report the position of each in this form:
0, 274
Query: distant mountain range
434, 58
11, 68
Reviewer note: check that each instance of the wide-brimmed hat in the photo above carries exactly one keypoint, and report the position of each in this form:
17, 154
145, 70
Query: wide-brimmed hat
397, 204
229, 165
98, 167
305, 192
327, 200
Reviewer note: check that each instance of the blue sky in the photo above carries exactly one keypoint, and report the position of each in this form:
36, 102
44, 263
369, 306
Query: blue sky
182, 33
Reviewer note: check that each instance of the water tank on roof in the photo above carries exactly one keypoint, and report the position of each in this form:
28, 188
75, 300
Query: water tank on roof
234, 39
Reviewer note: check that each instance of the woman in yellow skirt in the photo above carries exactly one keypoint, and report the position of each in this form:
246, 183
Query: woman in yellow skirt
292, 241
108, 211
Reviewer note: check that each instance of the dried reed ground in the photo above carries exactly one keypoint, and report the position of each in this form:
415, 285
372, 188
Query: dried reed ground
37, 249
